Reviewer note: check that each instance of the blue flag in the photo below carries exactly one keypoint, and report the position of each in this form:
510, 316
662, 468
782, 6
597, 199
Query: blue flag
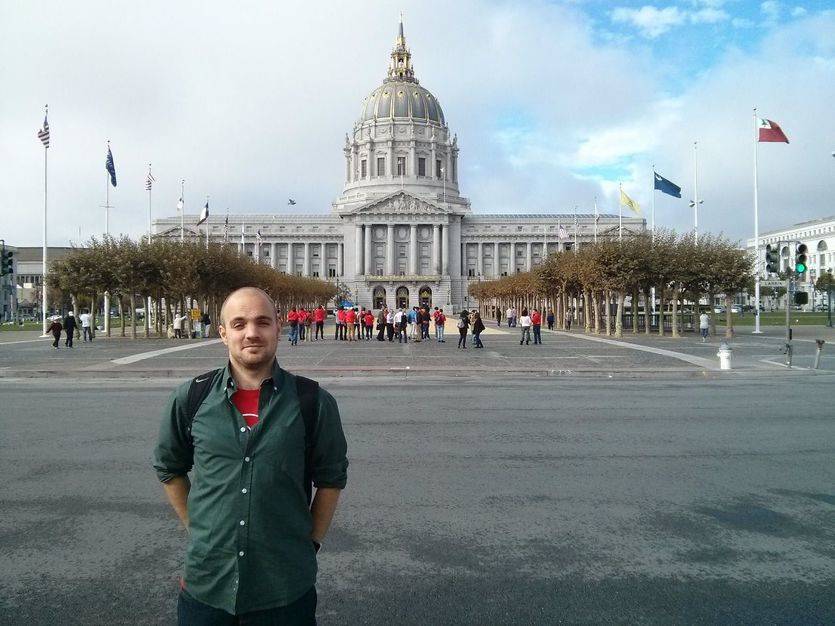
665, 186
110, 167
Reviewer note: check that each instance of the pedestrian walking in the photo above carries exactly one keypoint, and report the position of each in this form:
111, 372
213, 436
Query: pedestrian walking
440, 321
568, 318
704, 326
525, 322
178, 325
389, 324
55, 328
256, 479
498, 316
550, 319
207, 324
319, 318
69, 329
478, 328
536, 325
463, 327
381, 324
509, 317
86, 331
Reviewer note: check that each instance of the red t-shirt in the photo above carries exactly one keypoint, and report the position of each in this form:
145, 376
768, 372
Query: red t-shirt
351, 317
246, 401
369, 319
340, 316
292, 316
319, 315
536, 318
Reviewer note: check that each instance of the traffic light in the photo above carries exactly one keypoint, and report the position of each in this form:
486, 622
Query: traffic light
801, 297
800, 259
772, 260
6, 262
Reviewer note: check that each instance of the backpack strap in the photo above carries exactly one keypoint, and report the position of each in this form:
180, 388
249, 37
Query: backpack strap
308, 392
197, 392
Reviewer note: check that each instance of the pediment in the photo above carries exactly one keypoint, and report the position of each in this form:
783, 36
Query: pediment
400, 203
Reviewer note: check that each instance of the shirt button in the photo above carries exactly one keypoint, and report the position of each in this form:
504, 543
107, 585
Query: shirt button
240, 553
243, 429
243, 523
243, 490
246, 459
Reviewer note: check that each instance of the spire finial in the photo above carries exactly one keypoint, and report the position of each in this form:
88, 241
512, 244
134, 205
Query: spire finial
401, 59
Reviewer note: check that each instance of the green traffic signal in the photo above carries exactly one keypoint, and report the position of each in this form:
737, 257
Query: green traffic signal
801, 262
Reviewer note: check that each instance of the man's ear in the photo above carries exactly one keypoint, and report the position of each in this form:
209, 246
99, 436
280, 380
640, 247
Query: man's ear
221, 330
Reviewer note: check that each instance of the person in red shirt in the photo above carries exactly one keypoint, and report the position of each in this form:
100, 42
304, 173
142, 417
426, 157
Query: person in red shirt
369, 324
536, 321
293, 320
319, 318
340, 324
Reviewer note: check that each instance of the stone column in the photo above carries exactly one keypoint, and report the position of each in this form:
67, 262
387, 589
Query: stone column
390, 251
529, 260
306, 271
512, 268
340, 259
445, 249
497, 270
436, 240
273, 259
368, 269
413, 263
480, 262
358, 250
291, 262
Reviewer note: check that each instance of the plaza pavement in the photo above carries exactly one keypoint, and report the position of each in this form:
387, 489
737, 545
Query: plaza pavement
480, 499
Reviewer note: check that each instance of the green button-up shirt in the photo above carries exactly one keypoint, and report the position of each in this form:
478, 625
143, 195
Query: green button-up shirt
250, 547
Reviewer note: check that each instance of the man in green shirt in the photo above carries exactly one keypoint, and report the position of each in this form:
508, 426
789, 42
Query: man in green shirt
254, 444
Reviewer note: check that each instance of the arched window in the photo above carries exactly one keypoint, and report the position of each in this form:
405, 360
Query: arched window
402, 297
425, 296
379, 297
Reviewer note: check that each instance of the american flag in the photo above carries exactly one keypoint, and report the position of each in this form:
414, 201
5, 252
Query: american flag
258, 235
43, 134
561, 233
149, 181
226, 229
110, 166
204, 214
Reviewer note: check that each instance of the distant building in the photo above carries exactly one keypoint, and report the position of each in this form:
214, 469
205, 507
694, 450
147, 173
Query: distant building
29, 277
401, 233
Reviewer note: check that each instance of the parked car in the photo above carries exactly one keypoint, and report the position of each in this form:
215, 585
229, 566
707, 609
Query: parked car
718, 309
736, 309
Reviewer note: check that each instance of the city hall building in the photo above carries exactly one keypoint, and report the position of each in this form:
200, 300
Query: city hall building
401, 233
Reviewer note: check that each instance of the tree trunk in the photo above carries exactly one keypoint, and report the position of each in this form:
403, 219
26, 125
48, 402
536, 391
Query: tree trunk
607, 309
74, 300
647, 311
660, 312
710, 299
93, 308
729, 317
122, 315
586, 311
595, 311
133, 314
675, 312
621, 299
147, 306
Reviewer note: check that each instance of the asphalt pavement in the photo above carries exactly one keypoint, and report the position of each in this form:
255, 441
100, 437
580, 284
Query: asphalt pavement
488, 498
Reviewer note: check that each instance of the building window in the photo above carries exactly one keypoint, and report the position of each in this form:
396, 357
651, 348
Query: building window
421, 166
438, 169
381, 166
331, 272
315, 274
401, 166
470, 272
364, 168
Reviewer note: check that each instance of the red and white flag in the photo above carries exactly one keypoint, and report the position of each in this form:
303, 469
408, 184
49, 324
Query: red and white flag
770, 131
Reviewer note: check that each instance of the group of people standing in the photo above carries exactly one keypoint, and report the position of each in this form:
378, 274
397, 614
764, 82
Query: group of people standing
513, 319
69, 325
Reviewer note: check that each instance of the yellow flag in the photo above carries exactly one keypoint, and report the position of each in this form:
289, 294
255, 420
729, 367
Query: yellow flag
627, 201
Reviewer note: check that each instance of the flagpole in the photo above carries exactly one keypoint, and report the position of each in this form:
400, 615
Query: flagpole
696, 191
596, 219
620, 213
207, 224
183, 210
757, 330
148, 299
43, 282
106, 236
149, 205
576, 227
652, 211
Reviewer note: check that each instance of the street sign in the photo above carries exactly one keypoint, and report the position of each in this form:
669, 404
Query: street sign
772, 282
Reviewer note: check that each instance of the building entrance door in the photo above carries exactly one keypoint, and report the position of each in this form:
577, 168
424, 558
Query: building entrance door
379, 297
425, 297
402, 298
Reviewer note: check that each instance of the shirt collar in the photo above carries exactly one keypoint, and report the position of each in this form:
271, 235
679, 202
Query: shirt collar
275, 379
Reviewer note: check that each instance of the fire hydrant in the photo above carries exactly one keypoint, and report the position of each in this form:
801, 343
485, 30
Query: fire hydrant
724, 354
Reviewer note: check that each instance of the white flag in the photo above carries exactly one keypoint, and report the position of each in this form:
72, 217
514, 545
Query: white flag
204, 214
180, 204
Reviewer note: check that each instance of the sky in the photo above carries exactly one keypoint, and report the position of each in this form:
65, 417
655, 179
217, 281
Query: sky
555, 105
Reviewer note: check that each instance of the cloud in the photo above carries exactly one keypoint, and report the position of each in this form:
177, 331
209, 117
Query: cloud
798, 12
770, 9
650, 20
709, 15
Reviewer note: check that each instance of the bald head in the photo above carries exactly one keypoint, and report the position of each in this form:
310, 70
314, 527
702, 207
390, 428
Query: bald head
245, 295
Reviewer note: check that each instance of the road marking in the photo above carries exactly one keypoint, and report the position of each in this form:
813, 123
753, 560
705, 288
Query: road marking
694, 360
153, 353
794, 367
8, 343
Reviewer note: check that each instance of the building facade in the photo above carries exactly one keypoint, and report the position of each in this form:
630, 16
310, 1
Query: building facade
819, 238
401, 233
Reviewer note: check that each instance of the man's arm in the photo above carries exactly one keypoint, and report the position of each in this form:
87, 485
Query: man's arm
177, 490
322, 510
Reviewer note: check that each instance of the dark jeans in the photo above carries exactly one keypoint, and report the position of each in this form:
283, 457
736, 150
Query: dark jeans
390, 331
550, 324
87, 333
462, 337
402, 334
70, 337
301, 331
537, 333
56, 339
424, 330
320, 330
369, 331
477, 340
526, 335
302, 612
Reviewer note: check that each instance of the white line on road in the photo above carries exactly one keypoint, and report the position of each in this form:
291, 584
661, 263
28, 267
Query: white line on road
8, 343
150, 355
695, 360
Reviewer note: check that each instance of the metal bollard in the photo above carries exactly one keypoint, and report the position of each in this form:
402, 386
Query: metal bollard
819, 348
789, 351
724, 354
